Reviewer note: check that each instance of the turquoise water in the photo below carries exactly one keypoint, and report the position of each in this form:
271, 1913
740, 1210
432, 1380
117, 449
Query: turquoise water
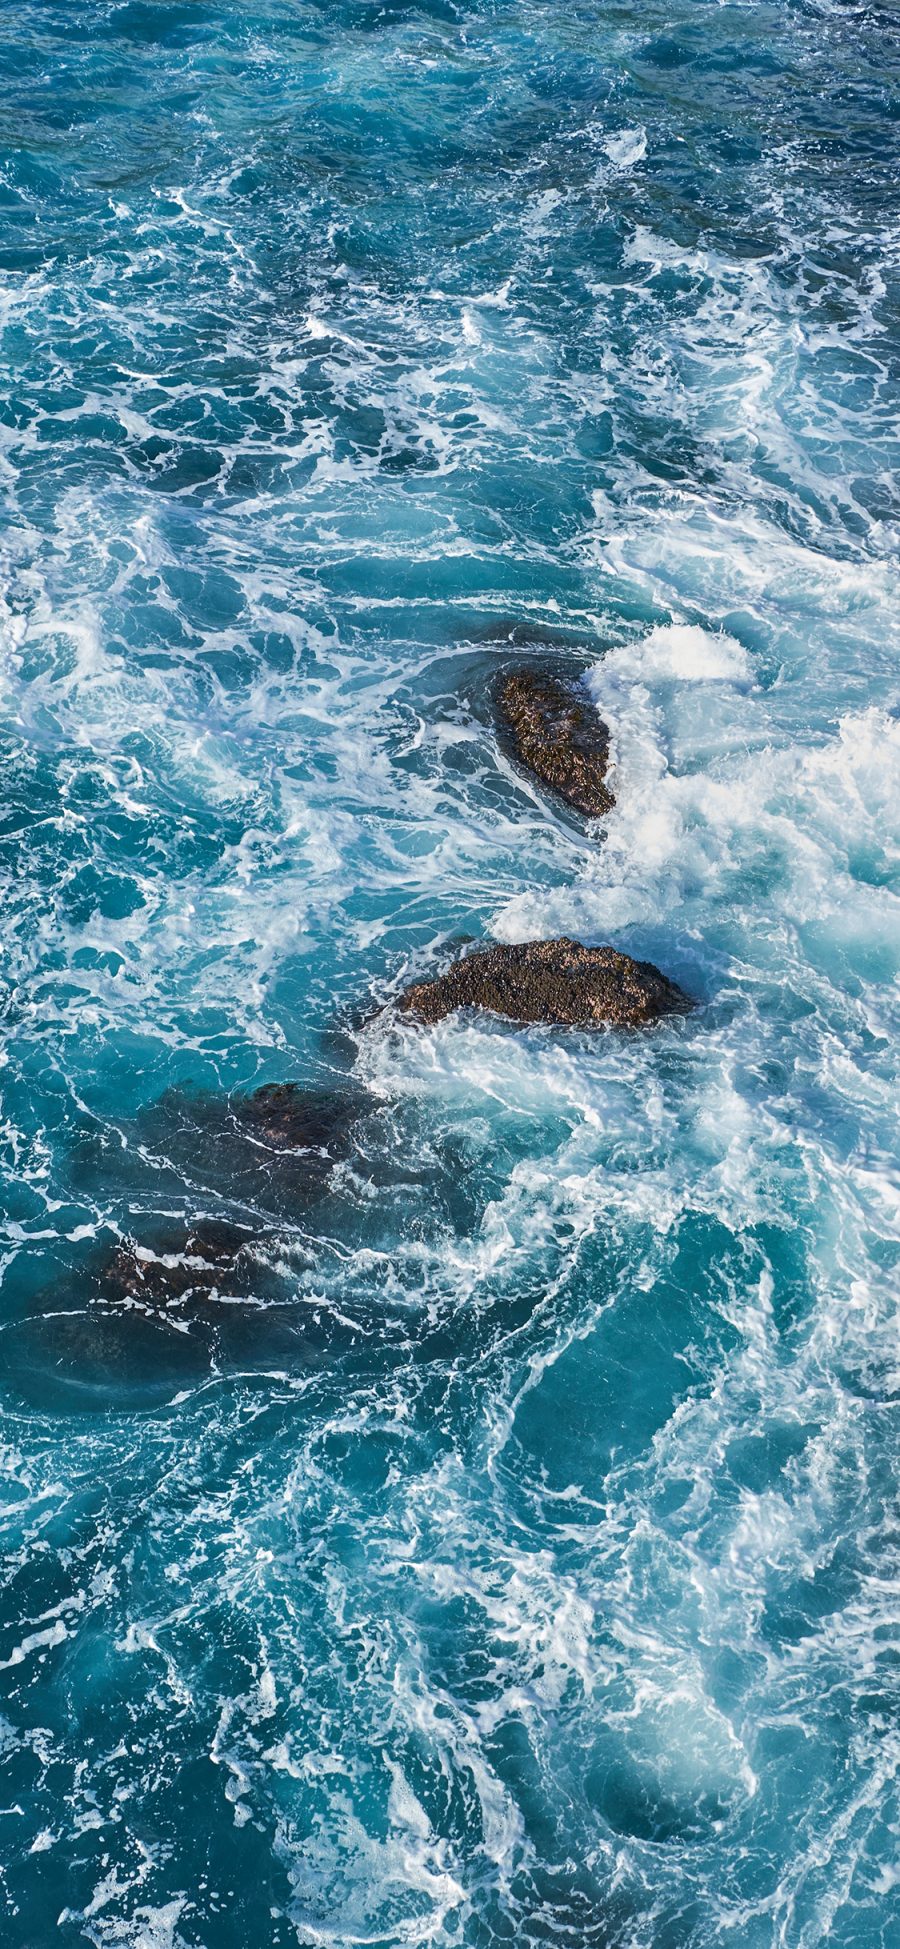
509, 1555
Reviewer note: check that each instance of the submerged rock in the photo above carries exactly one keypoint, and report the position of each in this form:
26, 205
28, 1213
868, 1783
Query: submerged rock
557, 734
287, 1117
204, 1258
557, 982
271, 1149
179, 1299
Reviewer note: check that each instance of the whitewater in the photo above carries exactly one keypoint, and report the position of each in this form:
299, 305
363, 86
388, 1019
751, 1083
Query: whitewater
510, 1554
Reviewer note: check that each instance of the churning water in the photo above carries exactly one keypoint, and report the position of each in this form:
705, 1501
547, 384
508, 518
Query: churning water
504, 1551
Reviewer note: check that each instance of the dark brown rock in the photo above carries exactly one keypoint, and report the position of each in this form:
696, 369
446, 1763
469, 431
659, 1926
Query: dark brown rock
556, 733
557, 982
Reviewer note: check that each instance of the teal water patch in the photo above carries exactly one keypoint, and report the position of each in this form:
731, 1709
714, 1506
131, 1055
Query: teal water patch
476, 1524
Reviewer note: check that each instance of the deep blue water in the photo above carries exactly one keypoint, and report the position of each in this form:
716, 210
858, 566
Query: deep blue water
511, 1554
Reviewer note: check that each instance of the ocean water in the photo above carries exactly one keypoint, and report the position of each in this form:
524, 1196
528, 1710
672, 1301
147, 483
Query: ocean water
506, 1551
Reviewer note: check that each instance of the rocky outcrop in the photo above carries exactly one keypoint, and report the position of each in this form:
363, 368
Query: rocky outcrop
555, 732
556, 982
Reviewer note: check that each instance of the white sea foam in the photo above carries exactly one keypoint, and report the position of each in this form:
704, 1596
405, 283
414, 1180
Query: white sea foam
540, 212
680, 651
626, 147
148, 1928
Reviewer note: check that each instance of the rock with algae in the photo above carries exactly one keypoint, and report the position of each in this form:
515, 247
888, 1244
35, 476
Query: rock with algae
556, 733
556, 982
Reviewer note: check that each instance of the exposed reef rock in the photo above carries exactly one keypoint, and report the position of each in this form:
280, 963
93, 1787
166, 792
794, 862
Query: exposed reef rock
556, 733
557, 982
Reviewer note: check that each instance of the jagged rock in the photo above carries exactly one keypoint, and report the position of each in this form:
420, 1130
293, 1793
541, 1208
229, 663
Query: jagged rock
557, 982
556, 733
